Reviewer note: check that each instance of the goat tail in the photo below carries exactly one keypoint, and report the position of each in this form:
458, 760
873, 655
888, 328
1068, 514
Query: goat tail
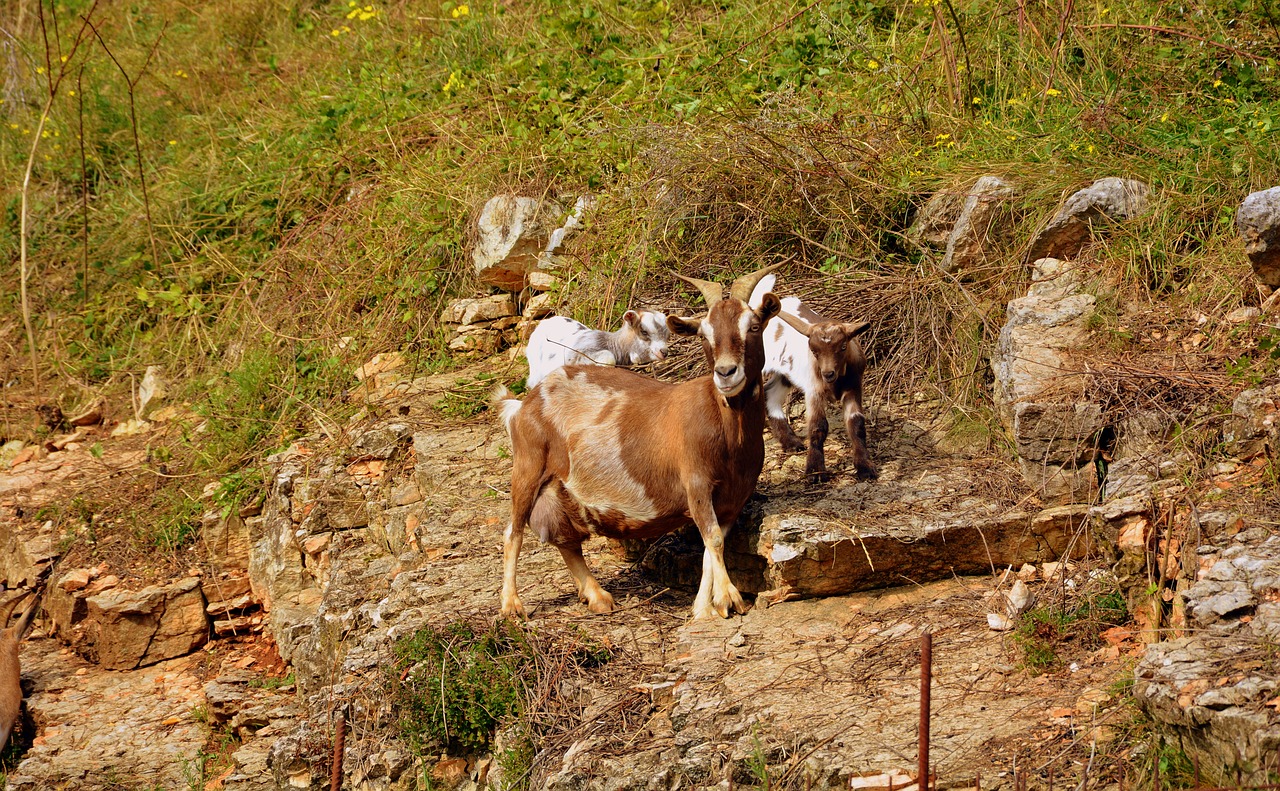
508, 405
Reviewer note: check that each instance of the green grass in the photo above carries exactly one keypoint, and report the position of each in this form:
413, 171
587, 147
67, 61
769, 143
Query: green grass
456, 688
312, 178
1043, 632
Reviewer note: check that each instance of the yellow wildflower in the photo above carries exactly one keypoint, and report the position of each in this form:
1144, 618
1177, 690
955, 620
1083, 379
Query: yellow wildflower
460, 11
64, 58
873, 64
453, 84
1014, 102
1216, 83
1053, 92
39, 69
73, 93
977, 100
1164, 117
173, 142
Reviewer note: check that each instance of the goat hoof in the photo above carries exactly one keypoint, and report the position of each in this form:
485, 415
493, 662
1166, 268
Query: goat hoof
822, 476
792, 446
868, 473
601, 604
512, 608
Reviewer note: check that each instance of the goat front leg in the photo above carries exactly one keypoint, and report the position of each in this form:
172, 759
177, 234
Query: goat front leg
815, 466
717, 594
597, 599
855, 422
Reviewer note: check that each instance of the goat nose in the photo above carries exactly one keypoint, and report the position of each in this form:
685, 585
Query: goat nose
726, 370
830, 376
659, 355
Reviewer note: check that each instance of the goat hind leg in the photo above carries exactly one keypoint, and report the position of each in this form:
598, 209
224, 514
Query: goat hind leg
776, 394
597, 599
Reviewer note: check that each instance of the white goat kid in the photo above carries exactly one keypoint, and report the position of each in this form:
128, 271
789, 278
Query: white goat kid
824, 360
560, 341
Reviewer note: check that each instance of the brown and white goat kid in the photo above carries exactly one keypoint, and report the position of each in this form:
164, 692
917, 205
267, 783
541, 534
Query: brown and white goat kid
824, 360
10, 669
607, 450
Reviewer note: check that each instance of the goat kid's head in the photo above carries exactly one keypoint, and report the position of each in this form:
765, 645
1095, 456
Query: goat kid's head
649, 335
732, 332
829, 343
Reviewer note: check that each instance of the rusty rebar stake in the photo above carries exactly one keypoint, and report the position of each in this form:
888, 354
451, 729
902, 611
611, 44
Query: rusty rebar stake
339, 746
926, 682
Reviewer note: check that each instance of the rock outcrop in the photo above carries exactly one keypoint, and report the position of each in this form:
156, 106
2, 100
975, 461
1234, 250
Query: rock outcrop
1258, 221
481, 324
1212, 687
517, 235
961, 225
1106, 200
1035, 383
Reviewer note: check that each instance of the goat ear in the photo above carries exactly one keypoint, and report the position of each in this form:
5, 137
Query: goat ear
856, 328
632, 318
796, 323
770, 306
682, 326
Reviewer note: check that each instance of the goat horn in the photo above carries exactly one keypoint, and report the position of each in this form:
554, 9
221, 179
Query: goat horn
798, 324
6, 609
711, 292
743, 286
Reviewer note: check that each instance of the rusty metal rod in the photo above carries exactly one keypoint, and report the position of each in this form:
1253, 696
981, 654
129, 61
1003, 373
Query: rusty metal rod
339, 746
926, 682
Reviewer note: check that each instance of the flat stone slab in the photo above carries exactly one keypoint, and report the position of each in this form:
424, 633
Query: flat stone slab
929, 516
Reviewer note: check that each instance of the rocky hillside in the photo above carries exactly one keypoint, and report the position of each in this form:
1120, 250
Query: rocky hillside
269, 260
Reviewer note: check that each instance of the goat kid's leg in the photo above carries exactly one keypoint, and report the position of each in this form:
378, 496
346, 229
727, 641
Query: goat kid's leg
815, 466
855, 423
597, 599
776, 394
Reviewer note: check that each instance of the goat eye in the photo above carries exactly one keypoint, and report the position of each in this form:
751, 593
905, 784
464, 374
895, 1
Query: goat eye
755, 328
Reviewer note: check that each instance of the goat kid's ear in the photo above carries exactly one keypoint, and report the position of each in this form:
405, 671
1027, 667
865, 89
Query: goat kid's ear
682, 326
856, 328
632, 318
770, 306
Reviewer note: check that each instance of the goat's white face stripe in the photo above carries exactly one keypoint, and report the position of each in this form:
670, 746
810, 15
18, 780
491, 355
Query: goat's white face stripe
708, 333
598, 478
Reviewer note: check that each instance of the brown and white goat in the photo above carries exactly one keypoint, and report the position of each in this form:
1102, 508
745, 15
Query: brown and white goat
824, 360
605, 450
10, 669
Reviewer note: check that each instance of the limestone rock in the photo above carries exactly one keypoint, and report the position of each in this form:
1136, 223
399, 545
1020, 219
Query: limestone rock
478, 309
543, 281
152, 392
381, 441
1258, 220
227, 539
26, 554
968, 242
934, 222
1254, 426
1055, 436
1072, 226
519, 234
129, 629
538, 306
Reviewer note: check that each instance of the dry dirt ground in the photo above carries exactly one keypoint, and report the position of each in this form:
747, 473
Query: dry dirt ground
795, 689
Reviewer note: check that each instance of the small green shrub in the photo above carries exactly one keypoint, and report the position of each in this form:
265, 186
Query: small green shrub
462, 685
1044, 630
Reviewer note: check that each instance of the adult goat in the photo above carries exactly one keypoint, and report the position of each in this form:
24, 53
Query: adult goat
607, 450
